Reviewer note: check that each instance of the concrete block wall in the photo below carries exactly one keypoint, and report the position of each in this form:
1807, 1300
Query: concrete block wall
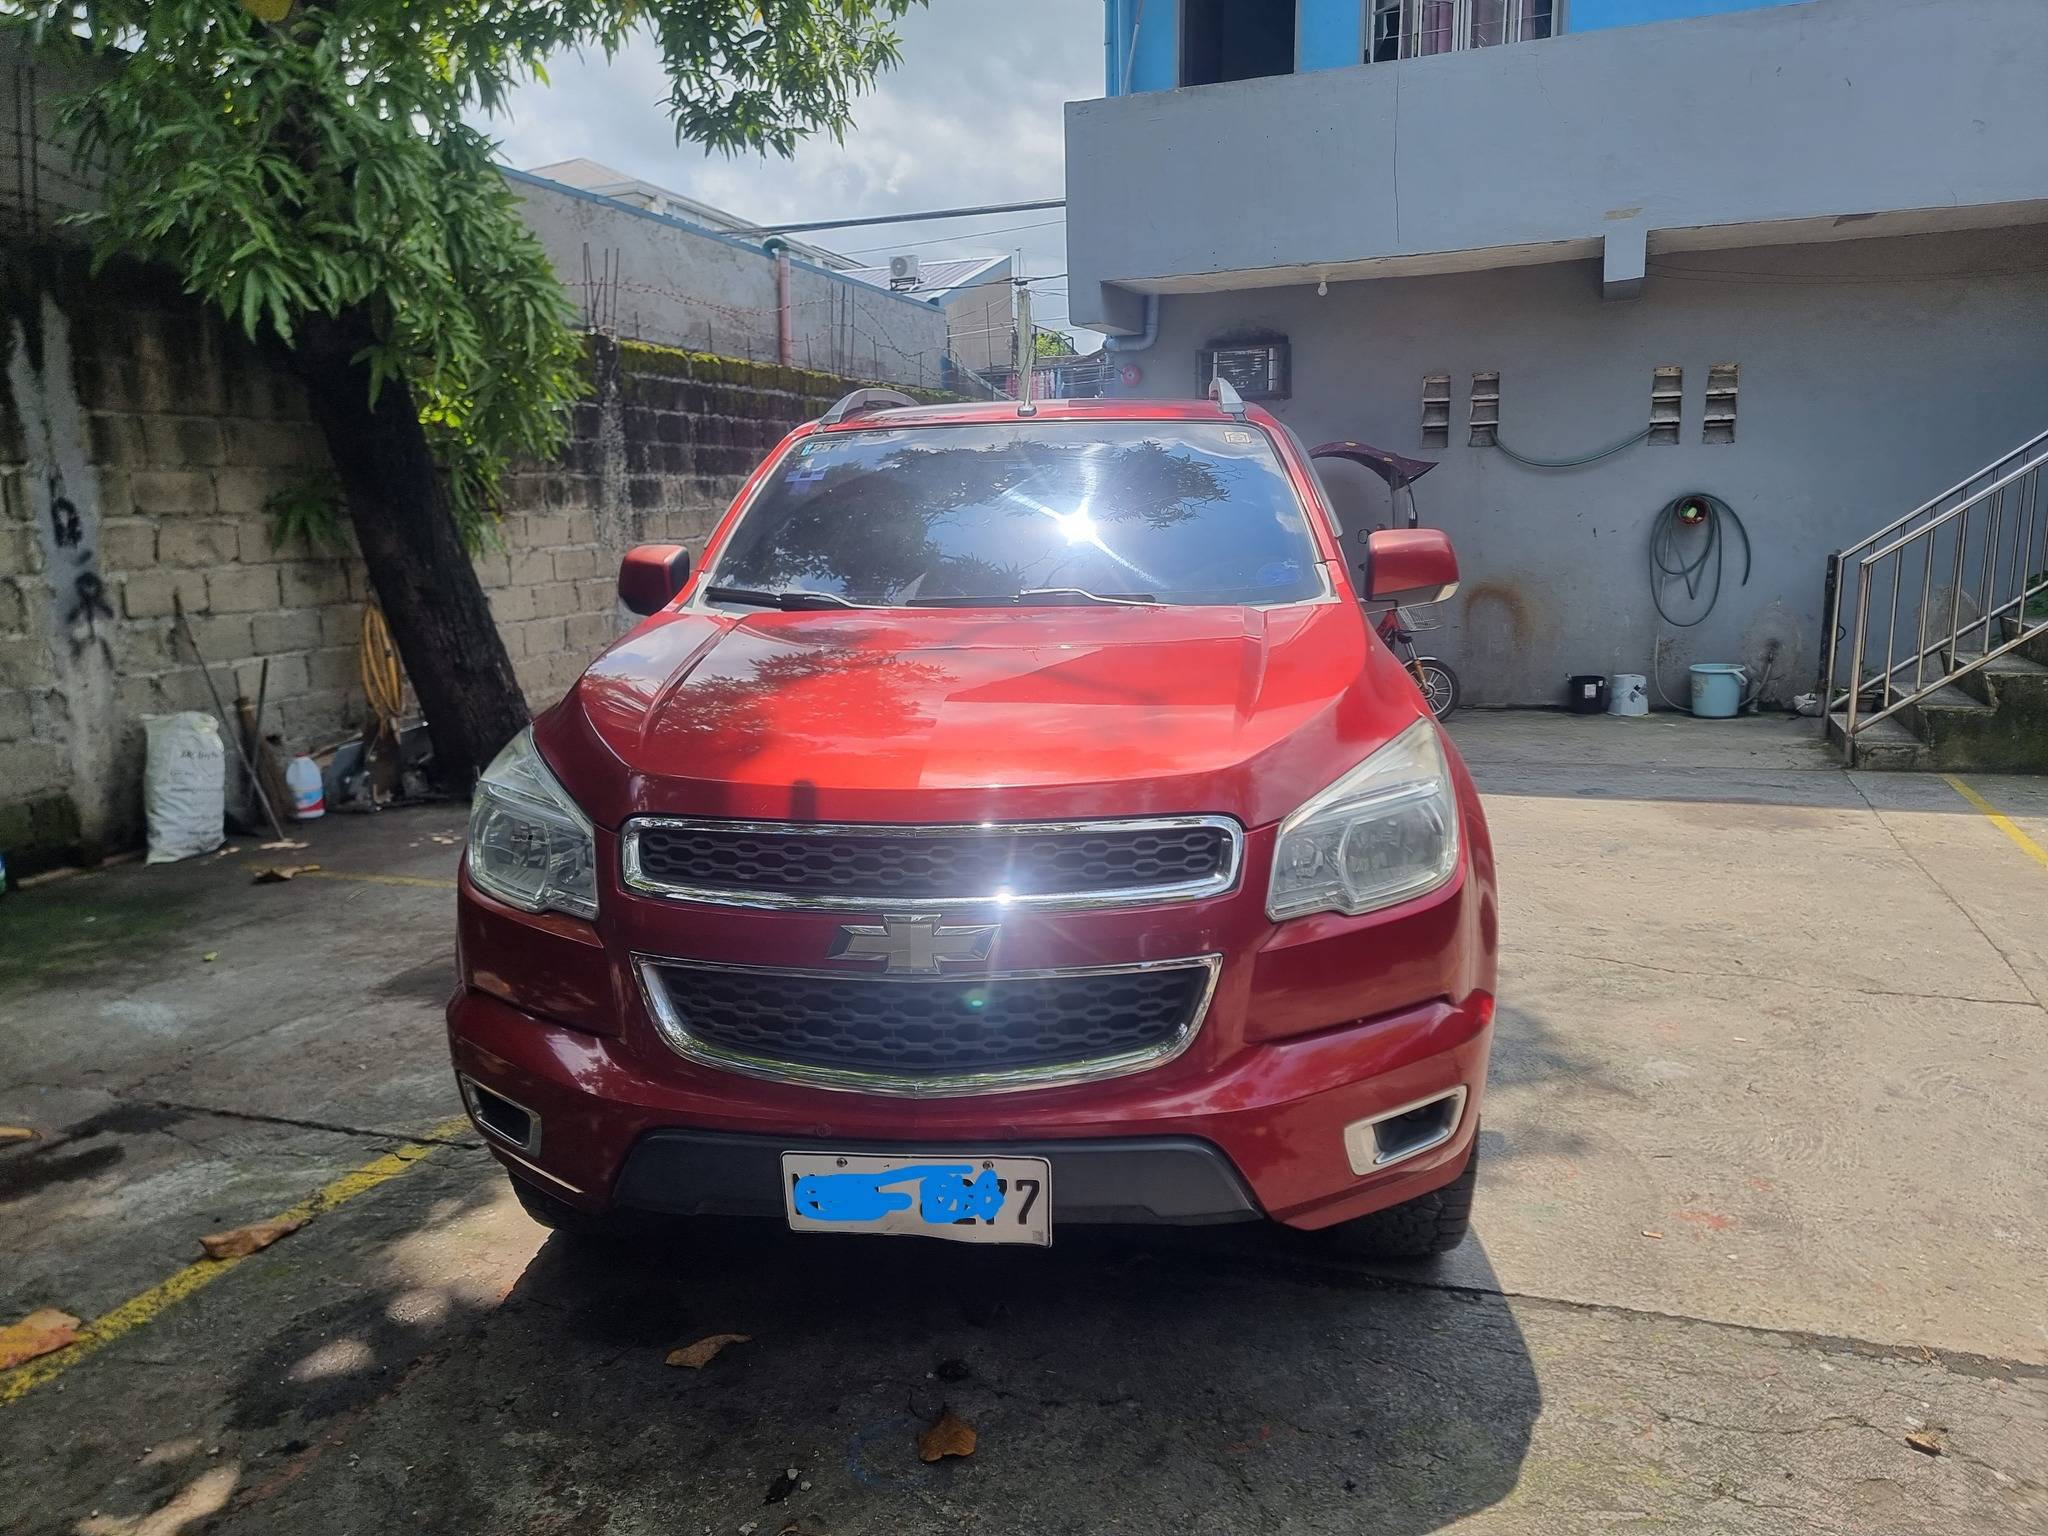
140, 440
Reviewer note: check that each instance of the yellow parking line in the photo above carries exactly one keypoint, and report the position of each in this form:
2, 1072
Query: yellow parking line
139, 1311
1999, 820
430, 882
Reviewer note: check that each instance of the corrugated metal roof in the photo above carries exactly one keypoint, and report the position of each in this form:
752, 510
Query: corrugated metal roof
935, 278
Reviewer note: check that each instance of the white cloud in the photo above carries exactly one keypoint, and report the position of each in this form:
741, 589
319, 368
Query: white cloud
972, 115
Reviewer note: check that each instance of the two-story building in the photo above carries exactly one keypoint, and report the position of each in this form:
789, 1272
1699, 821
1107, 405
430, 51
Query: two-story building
1790, 255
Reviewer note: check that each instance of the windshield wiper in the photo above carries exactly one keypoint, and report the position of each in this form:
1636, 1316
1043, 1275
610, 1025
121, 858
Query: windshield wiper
1038, 597
788, 602
1051, 595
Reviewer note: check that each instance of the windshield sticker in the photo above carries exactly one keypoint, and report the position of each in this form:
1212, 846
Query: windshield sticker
805, 474
1237, 437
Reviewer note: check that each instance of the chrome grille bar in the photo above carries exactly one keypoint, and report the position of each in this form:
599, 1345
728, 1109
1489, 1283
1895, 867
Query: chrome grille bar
876, 867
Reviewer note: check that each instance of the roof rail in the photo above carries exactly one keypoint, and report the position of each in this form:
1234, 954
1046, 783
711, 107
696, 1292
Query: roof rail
864, 400
1225, 396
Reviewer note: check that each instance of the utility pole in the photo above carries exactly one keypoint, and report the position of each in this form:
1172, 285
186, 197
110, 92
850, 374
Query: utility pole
1027, 350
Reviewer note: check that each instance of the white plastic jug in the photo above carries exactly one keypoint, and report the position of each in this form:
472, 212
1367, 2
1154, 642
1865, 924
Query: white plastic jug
302, 778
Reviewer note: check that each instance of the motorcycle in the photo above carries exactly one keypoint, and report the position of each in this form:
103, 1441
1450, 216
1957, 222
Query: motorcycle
1397, 627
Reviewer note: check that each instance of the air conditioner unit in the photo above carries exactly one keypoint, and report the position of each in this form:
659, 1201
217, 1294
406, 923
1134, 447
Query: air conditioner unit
904, 272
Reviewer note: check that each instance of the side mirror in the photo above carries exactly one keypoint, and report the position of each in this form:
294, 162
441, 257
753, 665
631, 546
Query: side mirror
1410, 565
651, 575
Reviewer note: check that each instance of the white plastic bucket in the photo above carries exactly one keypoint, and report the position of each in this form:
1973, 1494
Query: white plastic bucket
1628, 693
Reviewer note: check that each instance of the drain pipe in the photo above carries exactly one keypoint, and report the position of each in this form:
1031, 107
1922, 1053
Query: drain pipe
1145, 337
1118, 346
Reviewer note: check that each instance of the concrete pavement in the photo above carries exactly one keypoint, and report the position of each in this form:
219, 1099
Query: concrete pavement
1786, 1019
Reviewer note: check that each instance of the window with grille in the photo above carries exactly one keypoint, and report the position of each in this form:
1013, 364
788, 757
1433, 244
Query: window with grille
1410, 29
1436, 410
1719, 424
1257, 370
1484, 418
1667, 404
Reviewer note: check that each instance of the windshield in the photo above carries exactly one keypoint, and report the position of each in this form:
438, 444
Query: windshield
1151, 511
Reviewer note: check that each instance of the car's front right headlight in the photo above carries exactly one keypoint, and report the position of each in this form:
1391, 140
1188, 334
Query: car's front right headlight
1386, 831
530, 845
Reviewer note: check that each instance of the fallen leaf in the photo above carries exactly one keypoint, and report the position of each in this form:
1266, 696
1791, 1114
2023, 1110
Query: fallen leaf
210, 956
1927, 1442
16, 1133
283, 843
40, 1333
240, 1242
950, 1436
700, 1354
439, 838
1648, 1232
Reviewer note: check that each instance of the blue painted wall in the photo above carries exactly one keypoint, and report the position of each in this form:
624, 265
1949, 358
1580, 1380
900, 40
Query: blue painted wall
1596, 15
1332, 32
1157, 65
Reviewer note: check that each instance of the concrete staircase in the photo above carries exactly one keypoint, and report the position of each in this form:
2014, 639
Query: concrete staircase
1993, 717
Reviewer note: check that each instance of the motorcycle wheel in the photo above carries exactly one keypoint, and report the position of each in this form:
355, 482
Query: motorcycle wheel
1439, 685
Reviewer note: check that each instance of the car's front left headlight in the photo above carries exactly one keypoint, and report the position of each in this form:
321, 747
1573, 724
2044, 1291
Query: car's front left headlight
1386, 831
530, 845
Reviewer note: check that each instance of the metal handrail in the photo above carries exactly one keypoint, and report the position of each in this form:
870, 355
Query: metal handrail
1976, 662
2005, 563
1957, 489
1932, 506
1958, 510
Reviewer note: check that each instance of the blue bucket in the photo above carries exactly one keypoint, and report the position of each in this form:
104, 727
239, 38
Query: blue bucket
1717, 689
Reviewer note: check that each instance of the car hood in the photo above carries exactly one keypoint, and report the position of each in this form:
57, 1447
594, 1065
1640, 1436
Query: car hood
942, 716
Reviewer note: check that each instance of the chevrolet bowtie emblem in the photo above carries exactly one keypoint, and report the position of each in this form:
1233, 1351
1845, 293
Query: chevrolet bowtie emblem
913, 944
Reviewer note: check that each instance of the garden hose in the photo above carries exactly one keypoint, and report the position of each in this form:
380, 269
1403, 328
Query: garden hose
1703, 571
383, 678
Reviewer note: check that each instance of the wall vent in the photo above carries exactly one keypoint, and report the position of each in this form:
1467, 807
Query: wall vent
1720, 418
1436, 410
1484, 417
1667, 404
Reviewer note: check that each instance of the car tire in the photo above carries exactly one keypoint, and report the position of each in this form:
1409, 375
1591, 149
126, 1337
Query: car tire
1415, 1229
557, 1214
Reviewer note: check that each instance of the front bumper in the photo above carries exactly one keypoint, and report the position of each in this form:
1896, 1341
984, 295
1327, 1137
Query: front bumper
1263, 1133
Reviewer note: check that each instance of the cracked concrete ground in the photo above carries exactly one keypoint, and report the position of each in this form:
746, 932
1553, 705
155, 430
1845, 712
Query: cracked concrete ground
1788, 1019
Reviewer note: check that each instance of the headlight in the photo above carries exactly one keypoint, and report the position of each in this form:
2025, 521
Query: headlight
529, 843
1386, 831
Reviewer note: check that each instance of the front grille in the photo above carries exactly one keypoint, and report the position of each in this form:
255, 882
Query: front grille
857, 867
929, 1033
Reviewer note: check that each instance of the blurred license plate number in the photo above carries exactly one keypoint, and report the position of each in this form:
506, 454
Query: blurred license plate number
961, 1199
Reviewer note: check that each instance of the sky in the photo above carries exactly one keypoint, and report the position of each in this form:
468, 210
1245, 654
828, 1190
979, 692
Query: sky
972, 115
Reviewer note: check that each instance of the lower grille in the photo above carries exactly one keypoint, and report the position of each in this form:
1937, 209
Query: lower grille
929, 1035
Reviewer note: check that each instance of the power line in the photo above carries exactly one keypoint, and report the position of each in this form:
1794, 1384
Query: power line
908, 218
971, 235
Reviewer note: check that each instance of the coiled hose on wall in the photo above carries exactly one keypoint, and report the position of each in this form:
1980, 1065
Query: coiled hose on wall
1700, 573
1703, 571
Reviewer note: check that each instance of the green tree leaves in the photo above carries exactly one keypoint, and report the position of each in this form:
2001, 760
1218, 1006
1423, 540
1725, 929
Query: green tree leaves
321, 162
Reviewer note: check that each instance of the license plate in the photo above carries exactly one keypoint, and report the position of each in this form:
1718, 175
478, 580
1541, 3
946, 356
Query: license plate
962, 1199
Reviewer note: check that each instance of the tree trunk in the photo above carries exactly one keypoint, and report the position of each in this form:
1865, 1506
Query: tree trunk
439, 617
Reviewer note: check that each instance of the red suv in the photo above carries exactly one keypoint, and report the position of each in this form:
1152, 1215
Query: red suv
1012, 821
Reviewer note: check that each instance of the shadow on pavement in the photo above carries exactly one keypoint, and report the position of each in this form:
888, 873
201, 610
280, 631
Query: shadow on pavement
1220, 1380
